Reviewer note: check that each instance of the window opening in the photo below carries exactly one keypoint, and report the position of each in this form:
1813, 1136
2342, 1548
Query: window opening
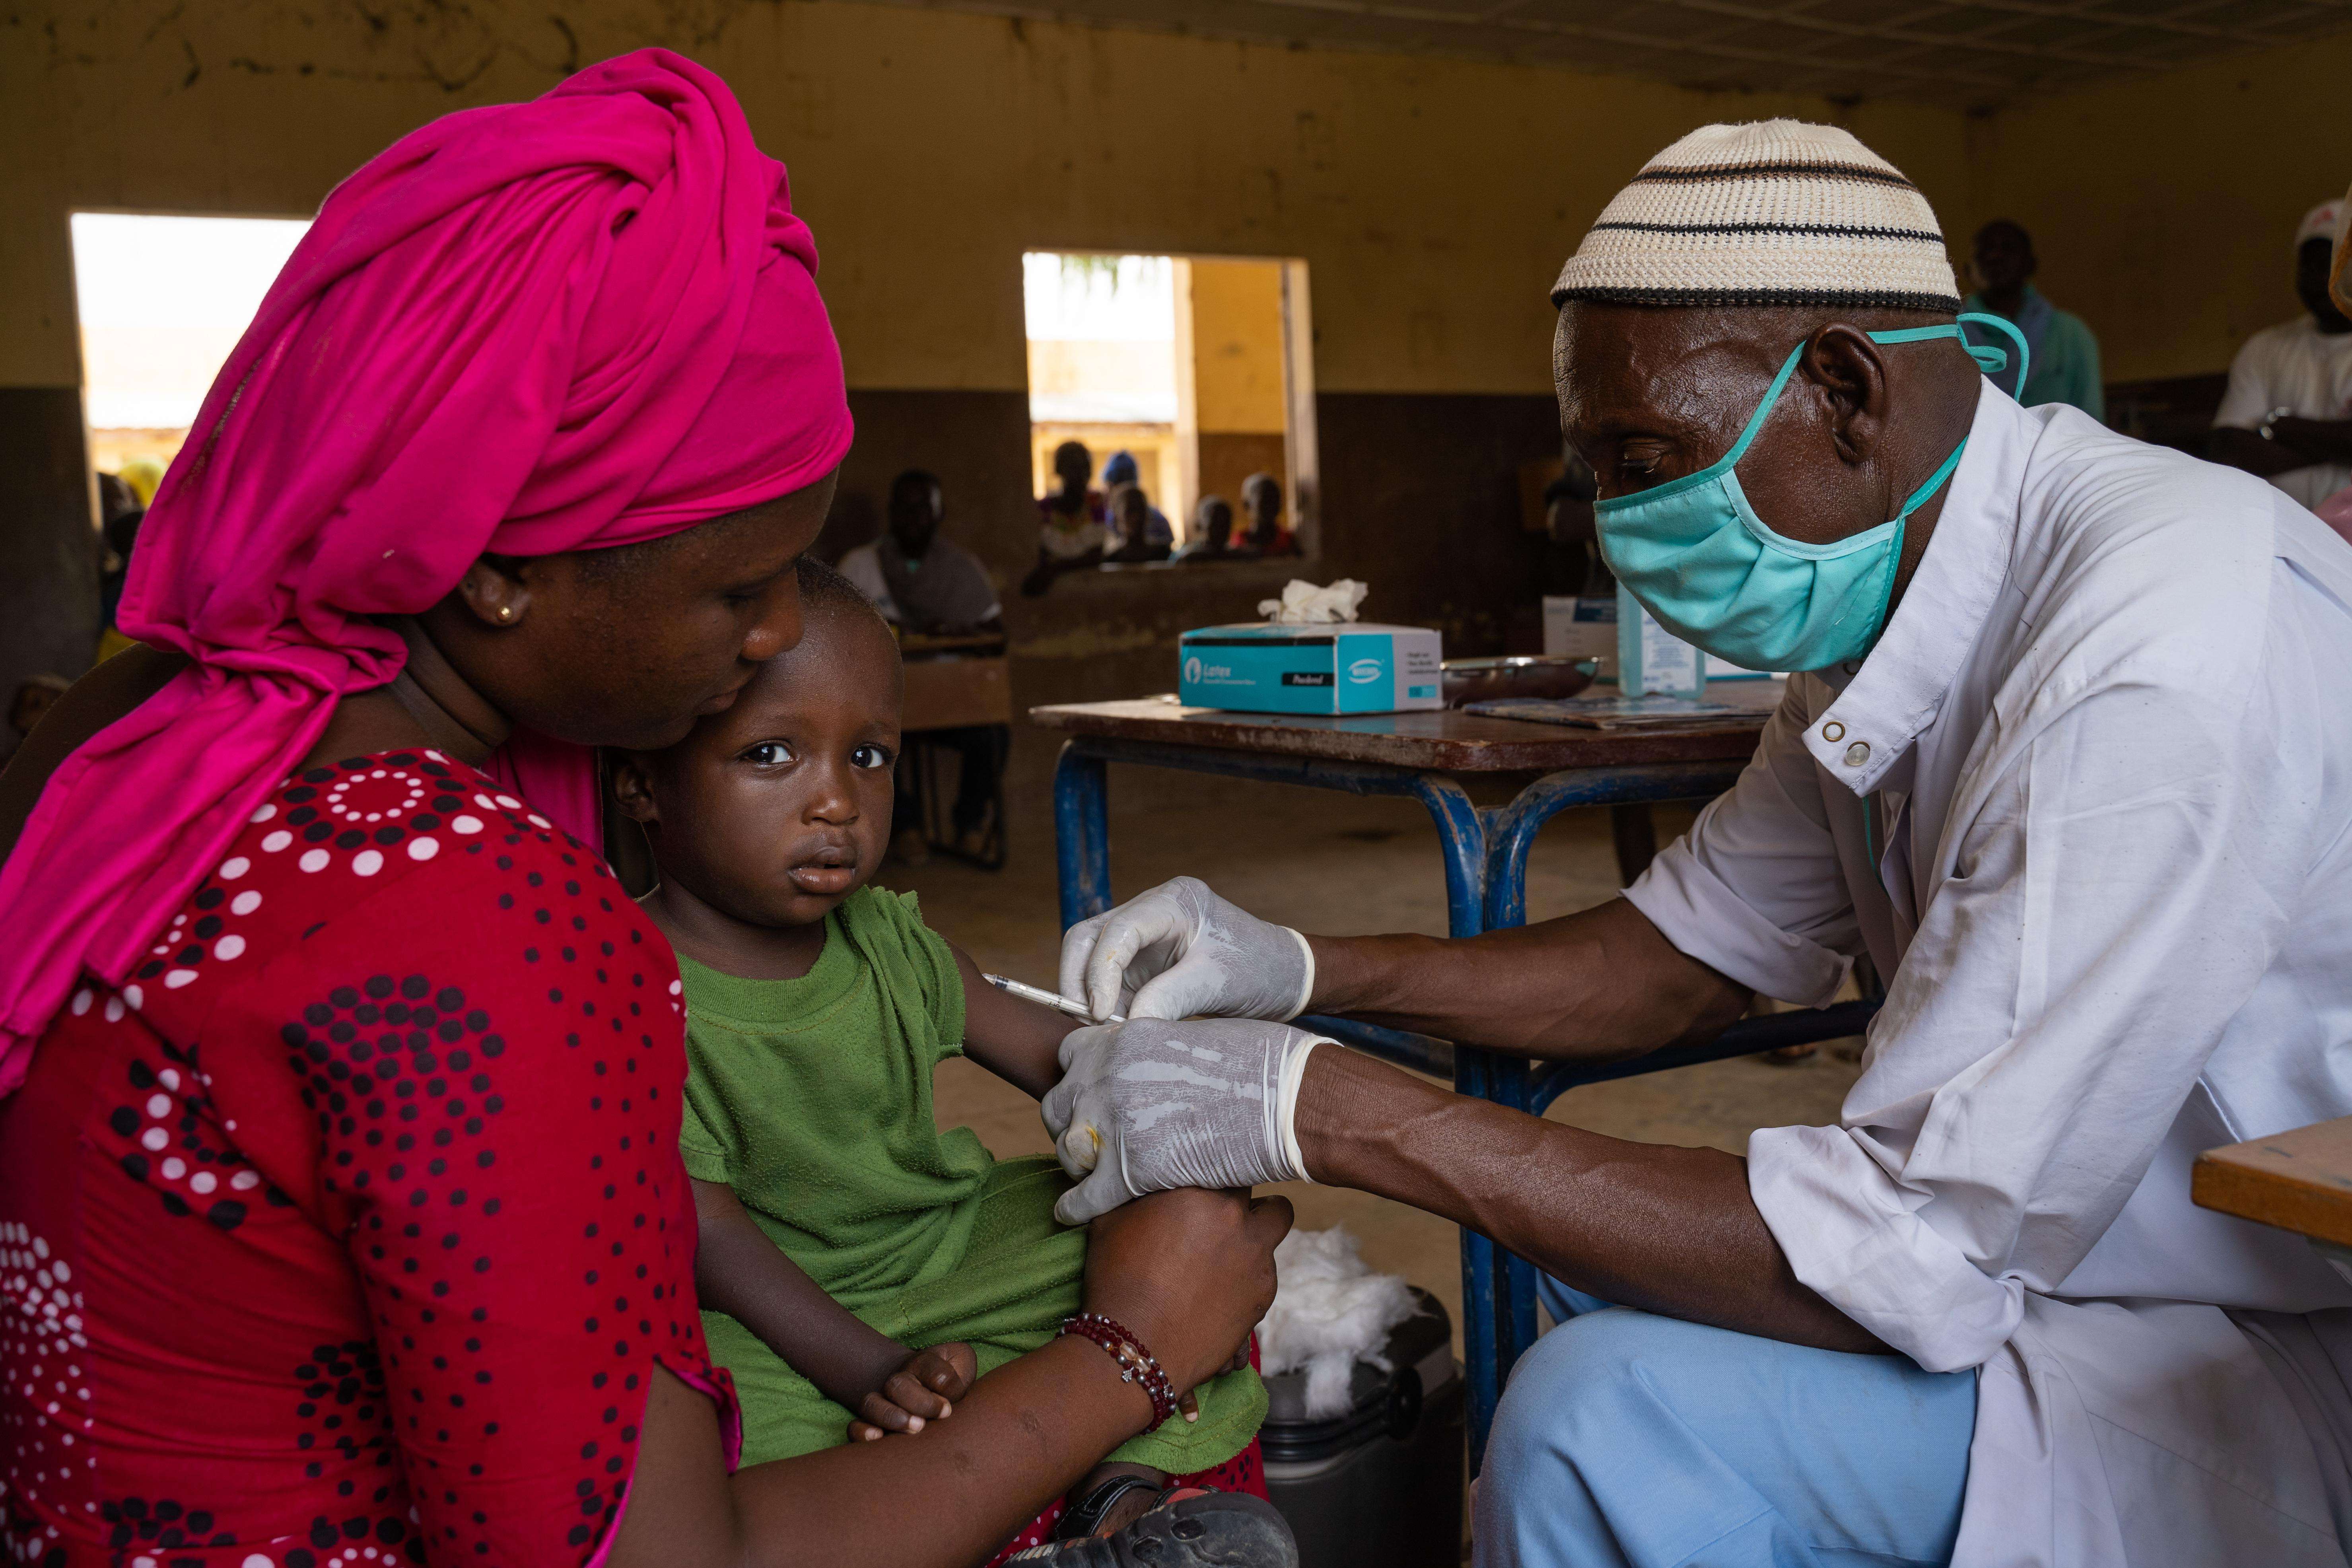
162, 300
1197, 368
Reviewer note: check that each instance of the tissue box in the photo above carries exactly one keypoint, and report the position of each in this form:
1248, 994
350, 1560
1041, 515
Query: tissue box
1348, 667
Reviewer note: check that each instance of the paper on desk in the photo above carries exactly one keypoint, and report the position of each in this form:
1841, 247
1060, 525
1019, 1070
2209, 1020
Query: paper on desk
1650, 713
1303, 604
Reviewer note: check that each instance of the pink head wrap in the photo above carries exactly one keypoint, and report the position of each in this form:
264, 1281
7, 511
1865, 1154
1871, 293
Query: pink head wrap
577, 323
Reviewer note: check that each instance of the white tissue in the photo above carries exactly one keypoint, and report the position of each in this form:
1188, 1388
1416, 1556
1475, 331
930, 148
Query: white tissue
1330, 1311
1303, 604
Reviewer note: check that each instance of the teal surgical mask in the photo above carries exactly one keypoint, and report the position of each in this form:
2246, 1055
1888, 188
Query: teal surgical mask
1714, 573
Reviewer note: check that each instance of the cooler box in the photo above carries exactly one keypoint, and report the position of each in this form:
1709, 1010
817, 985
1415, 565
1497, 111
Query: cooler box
1380, 1487
1348, 668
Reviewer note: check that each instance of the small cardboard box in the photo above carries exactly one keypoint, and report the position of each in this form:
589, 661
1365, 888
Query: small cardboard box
1350, 668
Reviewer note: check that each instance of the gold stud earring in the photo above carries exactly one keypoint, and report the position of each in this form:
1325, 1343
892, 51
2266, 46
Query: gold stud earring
506, 614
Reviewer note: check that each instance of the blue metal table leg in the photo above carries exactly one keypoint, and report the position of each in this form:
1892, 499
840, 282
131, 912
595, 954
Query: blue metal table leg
1461, 834
1082, 832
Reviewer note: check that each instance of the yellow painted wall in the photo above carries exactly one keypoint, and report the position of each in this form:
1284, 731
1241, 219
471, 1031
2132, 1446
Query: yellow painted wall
1433, 200
2164, 207
1237, 346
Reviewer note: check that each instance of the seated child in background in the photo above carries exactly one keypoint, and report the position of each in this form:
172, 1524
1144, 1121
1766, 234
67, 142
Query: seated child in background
858, 1268
1130, 527
1212, 533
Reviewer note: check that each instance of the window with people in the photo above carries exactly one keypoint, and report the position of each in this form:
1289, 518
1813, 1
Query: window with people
1081, 526
1192, 374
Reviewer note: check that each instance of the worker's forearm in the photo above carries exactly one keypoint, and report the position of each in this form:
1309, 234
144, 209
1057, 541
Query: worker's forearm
1669, 1230
2245, 449
1600, 983
2318, 440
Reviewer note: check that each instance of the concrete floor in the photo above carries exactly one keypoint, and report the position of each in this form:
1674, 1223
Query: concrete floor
1336, 865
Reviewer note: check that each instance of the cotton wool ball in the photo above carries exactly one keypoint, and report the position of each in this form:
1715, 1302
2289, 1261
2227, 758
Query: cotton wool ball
1330, 1310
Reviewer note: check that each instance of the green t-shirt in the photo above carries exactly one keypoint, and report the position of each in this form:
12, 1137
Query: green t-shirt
812, 1098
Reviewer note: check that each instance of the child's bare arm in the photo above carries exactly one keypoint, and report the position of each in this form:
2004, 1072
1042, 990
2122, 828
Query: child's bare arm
738, 1271
1020, 1042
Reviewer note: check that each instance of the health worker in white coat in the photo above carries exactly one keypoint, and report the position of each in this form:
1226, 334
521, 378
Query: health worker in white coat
2069, 762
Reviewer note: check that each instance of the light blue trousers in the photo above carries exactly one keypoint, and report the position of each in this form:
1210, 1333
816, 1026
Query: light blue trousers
1633, 1441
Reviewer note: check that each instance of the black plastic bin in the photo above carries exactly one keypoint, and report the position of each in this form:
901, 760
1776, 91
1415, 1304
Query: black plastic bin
1380, 1487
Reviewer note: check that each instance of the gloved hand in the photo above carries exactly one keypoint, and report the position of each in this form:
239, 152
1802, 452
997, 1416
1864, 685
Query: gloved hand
1181, 951
1150, 1105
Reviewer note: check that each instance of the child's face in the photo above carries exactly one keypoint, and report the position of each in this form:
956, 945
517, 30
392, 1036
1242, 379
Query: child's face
1133, 514
777, 809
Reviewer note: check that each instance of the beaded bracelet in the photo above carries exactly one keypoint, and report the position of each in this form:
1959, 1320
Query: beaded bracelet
1136, 1365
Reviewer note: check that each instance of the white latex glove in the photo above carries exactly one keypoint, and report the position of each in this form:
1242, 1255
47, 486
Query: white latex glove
1150, 1105
1181, 951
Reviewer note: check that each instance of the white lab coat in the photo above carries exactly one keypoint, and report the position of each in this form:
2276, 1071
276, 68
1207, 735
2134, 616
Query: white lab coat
2108, 738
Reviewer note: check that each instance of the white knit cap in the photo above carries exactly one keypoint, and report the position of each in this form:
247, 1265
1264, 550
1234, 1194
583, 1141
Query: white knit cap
2319, 223
1774, 213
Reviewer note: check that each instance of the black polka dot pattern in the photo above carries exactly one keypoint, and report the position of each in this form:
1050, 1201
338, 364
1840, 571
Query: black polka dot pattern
365, 1180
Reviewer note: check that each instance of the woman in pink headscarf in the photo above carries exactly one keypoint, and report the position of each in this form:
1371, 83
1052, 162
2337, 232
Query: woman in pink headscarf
341, 1215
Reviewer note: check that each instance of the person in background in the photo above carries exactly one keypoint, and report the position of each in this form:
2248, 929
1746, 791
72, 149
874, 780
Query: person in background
2287, 415
2335, 511
2062, 354
917, 579
143, 475
1157, 531
935, 587
1262, 499
1130, 527
1574, 564
115, 497
120, 534
120, 512
33, 699
1212, 533
1071, 521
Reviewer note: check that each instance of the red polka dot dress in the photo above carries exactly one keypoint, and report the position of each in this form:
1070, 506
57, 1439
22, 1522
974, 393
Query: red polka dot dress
350, 1229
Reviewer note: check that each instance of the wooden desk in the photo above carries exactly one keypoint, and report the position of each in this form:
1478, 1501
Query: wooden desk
1444, 740
954, 693
1534, 772
2299, 1181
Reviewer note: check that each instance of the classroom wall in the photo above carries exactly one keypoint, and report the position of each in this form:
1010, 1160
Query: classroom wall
1433, 201
2164, 207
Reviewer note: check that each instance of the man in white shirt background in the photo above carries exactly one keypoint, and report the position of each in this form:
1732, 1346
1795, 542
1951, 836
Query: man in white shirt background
2287, 415
932, 586
2083, 805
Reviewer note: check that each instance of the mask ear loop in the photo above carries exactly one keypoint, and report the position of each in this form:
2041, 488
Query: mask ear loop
1763, 411
1989, 360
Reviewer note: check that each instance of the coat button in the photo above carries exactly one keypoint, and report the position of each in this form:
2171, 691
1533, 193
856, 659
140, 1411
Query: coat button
1857, 753
1832, 731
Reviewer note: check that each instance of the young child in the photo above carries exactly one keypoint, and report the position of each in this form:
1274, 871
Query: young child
858, 1268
